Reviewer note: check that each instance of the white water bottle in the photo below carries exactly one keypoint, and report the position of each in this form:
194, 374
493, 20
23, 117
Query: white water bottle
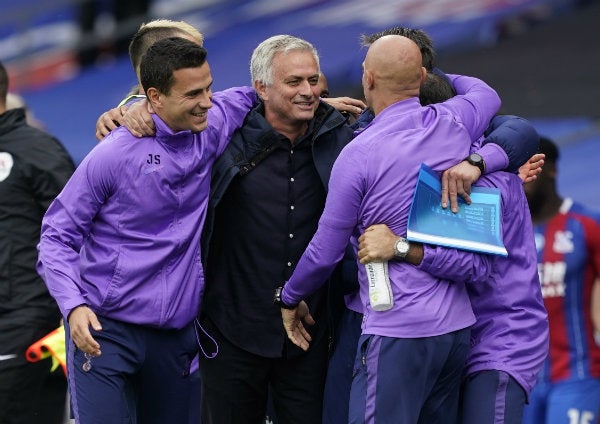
380, 289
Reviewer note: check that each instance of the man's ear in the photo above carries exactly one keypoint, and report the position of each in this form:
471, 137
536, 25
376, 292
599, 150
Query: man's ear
423, 75
261, 90
369, 79
154, 98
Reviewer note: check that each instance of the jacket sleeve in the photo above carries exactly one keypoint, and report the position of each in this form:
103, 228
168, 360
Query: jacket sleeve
512, 139
67, 223
51, 168
229, 110
460, 266
474, 105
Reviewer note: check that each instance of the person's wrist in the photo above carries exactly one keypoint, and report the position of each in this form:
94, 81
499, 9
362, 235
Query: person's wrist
476, 159
277, 300
70, 312
415, 254
401, 248
83, 305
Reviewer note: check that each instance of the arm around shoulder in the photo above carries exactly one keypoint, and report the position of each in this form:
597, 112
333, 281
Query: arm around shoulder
477, 103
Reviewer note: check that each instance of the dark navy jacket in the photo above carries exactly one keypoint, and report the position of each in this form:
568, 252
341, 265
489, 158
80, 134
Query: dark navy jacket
247, 148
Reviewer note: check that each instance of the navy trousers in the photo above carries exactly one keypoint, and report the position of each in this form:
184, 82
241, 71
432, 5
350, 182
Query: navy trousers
142, 376
408, 381
491, 397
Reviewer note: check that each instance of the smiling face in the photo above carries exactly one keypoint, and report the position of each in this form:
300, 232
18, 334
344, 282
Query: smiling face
186, 105
293, 97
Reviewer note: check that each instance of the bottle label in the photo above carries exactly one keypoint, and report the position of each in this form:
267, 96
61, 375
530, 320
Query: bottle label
380, 289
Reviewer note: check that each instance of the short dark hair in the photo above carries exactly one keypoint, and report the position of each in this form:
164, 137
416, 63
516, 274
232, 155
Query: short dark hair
419, 37
435, 89
166, 56
550, 149
3, 83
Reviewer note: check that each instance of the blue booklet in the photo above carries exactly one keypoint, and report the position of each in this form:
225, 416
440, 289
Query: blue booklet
475, 227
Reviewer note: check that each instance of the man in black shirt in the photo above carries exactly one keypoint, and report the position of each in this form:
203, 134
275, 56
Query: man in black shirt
34, 167
268, 192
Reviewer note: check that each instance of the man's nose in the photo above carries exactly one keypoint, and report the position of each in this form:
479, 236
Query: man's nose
205, 101
305, 88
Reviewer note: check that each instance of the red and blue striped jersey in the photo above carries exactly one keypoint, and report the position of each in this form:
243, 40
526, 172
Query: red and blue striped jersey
568, 248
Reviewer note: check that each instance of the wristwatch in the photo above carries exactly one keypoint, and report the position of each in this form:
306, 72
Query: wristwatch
475, 159
277, 299
401, 247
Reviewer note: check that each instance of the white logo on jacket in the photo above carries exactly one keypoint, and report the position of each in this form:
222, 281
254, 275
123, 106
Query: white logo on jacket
6, 164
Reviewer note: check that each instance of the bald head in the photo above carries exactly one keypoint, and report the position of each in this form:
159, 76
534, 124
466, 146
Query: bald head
393, 70
396, 61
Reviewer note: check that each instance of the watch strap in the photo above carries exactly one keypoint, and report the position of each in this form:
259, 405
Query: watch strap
279, 302
476, 159
401, 253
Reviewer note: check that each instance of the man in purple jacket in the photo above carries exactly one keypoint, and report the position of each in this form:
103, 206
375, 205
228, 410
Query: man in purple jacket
120, 246
411, 356
509, 341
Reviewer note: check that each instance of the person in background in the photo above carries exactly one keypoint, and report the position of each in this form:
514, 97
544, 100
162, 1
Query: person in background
425, 333
323, 86
120, 245
34, 167
94, 39
567, 236
15, 101
156, 30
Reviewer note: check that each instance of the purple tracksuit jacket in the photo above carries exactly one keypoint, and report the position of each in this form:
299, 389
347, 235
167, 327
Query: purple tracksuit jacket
123, 236
511, 332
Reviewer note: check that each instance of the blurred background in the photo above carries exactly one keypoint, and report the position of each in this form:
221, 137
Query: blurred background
68, 58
